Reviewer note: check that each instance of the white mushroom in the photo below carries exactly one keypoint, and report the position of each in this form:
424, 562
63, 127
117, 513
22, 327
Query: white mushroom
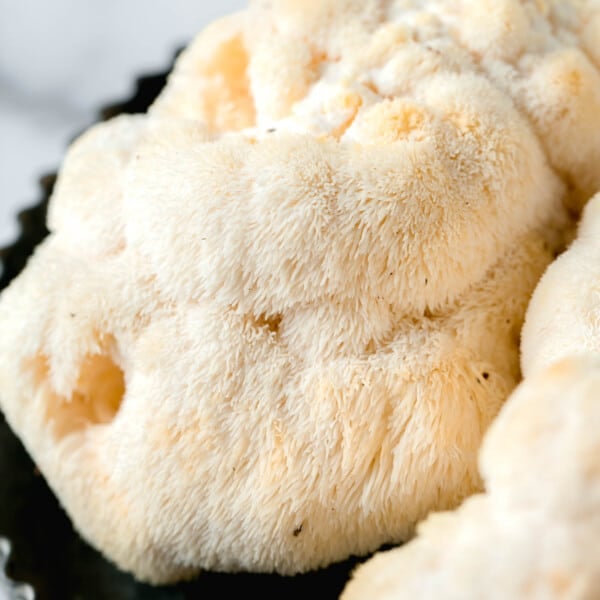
563, 317
276, 315
535, 533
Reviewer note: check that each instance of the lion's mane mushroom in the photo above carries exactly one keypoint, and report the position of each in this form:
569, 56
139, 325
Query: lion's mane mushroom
535, 533
563, 317
276, 314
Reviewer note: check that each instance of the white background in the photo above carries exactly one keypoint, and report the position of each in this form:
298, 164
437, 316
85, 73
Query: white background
61, 60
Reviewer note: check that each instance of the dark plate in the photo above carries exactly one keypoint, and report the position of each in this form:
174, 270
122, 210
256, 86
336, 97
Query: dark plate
47, 552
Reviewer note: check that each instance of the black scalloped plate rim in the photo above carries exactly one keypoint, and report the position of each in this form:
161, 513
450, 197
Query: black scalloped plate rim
38, 519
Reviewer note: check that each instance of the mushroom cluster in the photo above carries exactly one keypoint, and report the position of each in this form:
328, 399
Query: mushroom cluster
277, 313
535, 532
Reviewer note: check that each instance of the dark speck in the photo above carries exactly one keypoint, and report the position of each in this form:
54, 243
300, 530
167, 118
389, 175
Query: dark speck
486, 375
298, 530
72, 315
271, 130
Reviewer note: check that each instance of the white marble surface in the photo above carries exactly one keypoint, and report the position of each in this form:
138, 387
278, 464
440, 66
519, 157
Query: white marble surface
60, 60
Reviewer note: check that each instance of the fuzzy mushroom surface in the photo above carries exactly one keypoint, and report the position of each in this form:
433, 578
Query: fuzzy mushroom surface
277, 313
563, 317
534, 533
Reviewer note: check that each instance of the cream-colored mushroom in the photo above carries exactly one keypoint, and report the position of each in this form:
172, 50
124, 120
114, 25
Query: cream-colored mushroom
563, 317
276, 314
535, 531
534, 534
